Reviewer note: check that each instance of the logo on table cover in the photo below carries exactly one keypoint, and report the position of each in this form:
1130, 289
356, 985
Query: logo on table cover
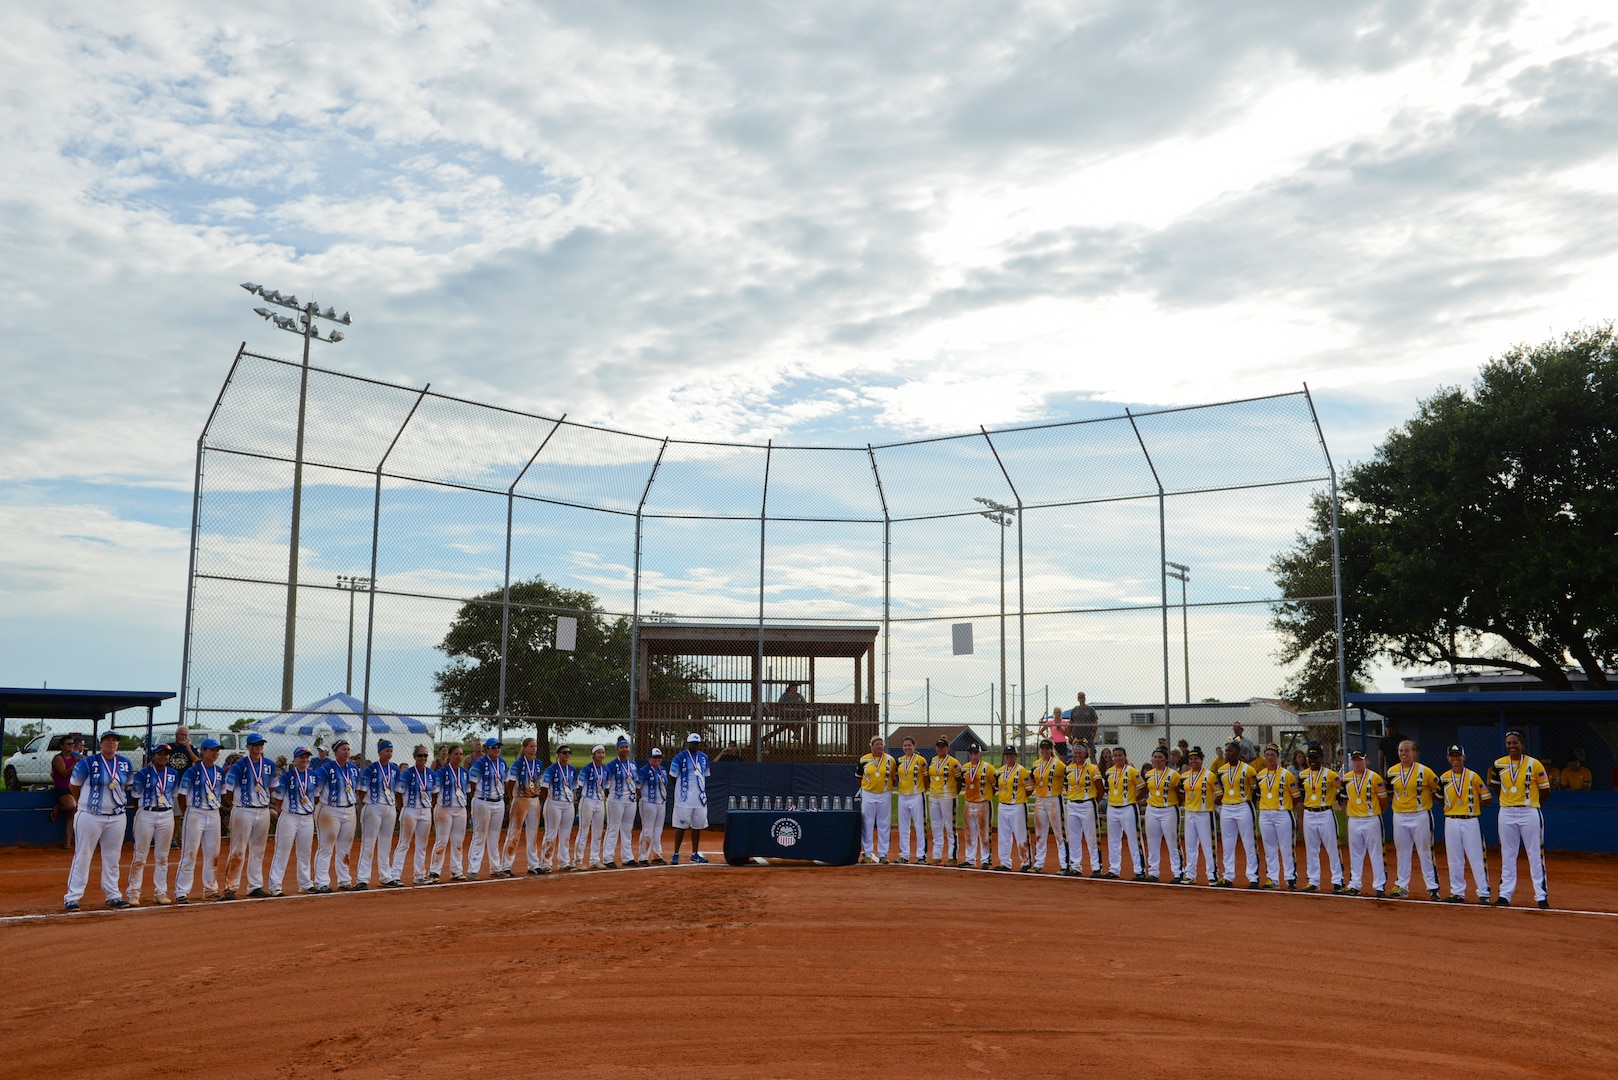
786, 831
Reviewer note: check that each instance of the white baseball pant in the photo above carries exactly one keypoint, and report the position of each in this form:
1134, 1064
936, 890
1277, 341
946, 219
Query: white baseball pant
911, 809
1320, 831
415, 824
1236, 821
249, 835
941, 809
449, 839
1463, 846
592, 821
92, 833
1365, 842
1162, 827
199, 835
556, 850
1013, 825
486, 817
652, 816
876, 816
620, 838
1521, 827
154, 831
376, 840
976, 852
334, 827
524, 824
1276, 828
1081, 831
1199, 844
1048, 824
294, 835
1413, 831
1123, 821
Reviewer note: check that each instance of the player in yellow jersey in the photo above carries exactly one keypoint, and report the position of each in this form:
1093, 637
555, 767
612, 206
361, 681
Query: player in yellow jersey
1523, 783
1199, 787
1320, 786
943, 785
1238, 787
1464, 796
1048, 773
1278, 793
1413, 786
911, 770
877, 771
1162, 816
1012, 783
977, 785
1364, 795
1125, 791
1082, 785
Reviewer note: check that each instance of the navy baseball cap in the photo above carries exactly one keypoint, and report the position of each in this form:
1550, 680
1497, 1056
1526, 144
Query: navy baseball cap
105, 735
1356, 753
623, 740
210, 744
487, 743
161, 748
1456, 749
302, 751
384, 745
255, 739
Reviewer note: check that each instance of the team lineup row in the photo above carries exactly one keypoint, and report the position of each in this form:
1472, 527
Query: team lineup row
1214, 811
338, 800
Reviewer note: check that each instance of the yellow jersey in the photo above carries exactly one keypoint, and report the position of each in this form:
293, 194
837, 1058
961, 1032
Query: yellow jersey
1464, 793
1554, 775
1236, 783
977, 781
943, 777
1011, 784
1123, 786
1080, 782
1365, 793
1199, 788
1413, 787
1319, 788
912, 769
1576, 778
1277, 789
1520, 781
1162, 787
1048, 777
876, 773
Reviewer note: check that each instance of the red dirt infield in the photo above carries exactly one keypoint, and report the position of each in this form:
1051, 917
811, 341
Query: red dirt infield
801, 971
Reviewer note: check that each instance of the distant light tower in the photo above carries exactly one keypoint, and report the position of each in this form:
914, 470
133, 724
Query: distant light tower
304, 326
1182, 573
353, 584
1002, 516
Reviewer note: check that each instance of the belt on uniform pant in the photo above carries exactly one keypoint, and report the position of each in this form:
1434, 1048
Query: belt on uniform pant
115, 813
1317, 809
1461, 817
482, 798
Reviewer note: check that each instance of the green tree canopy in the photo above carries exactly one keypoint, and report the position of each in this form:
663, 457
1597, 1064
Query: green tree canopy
1484, 531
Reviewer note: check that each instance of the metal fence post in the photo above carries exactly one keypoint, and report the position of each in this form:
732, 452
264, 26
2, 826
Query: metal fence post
634, 614
505, 601
758, 678
887, 593
1336, 573
1162, 578
1022, 607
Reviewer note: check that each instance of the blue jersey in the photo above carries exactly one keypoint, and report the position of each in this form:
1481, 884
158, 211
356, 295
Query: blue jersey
249, 784
377, 781
654, 783
560, 780
593, 781
337, 783
154, 788
202, 786
104, 784
452, 781
621, 778
297, 791
690, 772
527, 774
489, 774
417, 787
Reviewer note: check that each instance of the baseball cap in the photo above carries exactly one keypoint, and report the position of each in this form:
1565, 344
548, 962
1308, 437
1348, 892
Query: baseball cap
255, 739
1315, 750
1008, 750
1046, 744
384, 745
161, 748
490, 742
623, 740
302, 751
973, 748
1356, 753
1455, 748
209, 744
108, 734
1195, 751
693, 737
941, 741
656, 752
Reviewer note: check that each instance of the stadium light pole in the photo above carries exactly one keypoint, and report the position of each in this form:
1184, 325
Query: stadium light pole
1182, 573
1002, 516
305, 327
352, 583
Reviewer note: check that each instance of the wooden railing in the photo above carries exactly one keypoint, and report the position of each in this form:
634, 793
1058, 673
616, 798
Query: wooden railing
822, 731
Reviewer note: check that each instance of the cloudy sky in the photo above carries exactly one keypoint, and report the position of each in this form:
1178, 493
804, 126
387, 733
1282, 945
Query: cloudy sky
825, 222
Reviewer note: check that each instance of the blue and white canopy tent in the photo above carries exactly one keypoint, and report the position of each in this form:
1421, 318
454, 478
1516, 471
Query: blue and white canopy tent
338, 716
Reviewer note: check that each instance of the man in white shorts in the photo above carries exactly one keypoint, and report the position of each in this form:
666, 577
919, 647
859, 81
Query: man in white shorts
294, 795
622, 788
557, 785
690, 772
592, 809
653, 781
153, 791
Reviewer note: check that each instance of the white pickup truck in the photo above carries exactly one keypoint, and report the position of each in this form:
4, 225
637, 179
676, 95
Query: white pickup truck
31, 766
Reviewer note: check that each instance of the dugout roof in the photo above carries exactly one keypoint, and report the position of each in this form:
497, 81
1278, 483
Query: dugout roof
1505, 704
18, 703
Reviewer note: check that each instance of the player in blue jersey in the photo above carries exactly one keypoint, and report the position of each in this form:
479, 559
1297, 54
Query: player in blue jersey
689, 771
416, 789
339, 783
653, 780
247, 792
449, 817
487, 778
153, 790
294, 794
557, 785
101, 789
623, 786
201, 792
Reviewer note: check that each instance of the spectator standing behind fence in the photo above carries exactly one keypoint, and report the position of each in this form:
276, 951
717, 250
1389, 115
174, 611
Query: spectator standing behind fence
67, 756
729, 753
1083, 722
1575, 777
1056, 727
1245, 750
